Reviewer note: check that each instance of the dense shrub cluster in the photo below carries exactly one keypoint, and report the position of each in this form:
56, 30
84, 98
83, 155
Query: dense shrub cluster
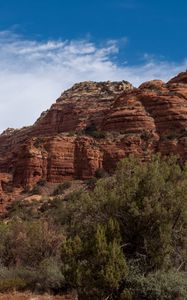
61, 188
94, 132
30, 255
125, 239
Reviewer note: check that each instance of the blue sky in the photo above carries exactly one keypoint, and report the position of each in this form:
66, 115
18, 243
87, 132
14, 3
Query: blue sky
47, 45
154, 27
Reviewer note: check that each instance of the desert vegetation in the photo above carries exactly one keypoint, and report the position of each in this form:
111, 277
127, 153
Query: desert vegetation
126, 238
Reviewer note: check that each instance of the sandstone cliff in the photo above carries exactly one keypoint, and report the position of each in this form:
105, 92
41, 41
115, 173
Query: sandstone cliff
92, 126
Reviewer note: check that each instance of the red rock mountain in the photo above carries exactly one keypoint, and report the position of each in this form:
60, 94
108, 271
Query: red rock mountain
92, 126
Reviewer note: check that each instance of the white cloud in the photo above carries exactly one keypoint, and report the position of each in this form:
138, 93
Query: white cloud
33, 74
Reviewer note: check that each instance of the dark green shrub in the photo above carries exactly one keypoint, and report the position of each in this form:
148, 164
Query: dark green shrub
125, 238
146, 135
91, 182
171, 285
105, 267
26, 190
94, 132
101, 173
126, 295
98, 134
61, 188
36, 190
50, 275
148, 201
22, 209
41, 182
90, 129
37, 143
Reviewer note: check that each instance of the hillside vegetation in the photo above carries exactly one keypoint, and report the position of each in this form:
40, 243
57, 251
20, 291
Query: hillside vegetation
125, 238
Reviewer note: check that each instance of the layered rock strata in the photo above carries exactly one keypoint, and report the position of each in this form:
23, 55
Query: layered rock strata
92, 126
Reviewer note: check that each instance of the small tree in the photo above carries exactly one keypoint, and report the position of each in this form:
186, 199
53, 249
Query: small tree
96, 267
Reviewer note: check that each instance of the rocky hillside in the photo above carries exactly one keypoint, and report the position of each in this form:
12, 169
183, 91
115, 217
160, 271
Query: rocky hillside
92, 126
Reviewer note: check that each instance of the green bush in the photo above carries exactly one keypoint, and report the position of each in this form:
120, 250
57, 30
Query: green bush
101, 173
61, 188
41, 182
27, 243
44, 277
124, 238
91, 182
171, 285
36, 190
97, 268
148, 201
22, 209
98, 134
126, 295
94, 132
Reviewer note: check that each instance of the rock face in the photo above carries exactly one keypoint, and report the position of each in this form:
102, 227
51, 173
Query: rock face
92, 126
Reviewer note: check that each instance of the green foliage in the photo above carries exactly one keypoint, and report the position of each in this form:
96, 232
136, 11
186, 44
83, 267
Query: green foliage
148, 201
99, 262
53, 210
98, 134
21, 209
124, 238
61, 188
50, 275
91, 182
36, 190
101, 173
28, 243
171, 285
146, 135
126, 295
38, 141
46, 276
153, 205
71, 133
94, 132
41, 182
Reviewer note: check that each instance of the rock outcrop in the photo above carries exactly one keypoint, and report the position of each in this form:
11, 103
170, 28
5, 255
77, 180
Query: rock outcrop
92, 126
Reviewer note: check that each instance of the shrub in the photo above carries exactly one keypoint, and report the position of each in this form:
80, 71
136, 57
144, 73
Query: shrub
28, 243
7, 285
105, 267
148, 201
146, 135
44, 277
50, 273
94, 132
71, 133
100, 173
159, 286
41, 182
123, 239
98, 134
91, 182
61, 188
126, 295
36, 190
22, 209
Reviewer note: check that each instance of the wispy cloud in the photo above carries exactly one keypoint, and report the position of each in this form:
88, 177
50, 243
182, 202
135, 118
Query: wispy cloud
33, 74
